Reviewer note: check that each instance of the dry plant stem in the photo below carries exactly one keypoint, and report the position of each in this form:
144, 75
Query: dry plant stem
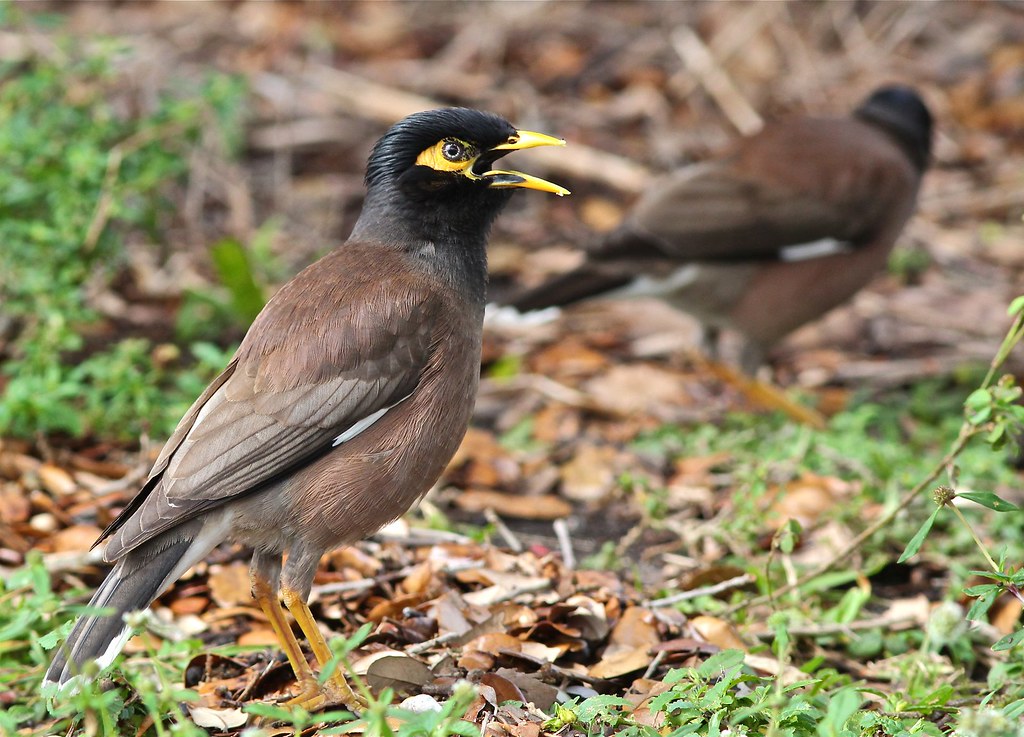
561, 528
824, 630
114, 160
711, 590
507, 535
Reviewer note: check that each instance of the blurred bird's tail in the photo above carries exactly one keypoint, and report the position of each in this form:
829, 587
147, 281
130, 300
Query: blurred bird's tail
137, 579
575, 286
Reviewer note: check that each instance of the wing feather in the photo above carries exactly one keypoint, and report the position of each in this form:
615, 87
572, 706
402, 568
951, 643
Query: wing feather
300, 379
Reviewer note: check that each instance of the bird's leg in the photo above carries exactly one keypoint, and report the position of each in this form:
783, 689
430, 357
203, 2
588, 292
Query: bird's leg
336, 689
264, 591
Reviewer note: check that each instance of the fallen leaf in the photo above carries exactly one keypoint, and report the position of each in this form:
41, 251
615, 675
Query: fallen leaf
640, 387
189, 605
14, 505
629, 645
258, 637
717, 632
540, 506
502, 689
56, 480
537, 692
229, 584
589, 476
219, 719
76, 538
399, 672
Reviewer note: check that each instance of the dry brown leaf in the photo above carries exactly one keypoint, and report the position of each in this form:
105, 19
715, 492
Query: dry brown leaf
501, 689
77, 538
229, 584
541, 506
629, 645
717, 632
420, 579
258, 637
218, 719
189, 605
14, 505
393, 607
56, 480
807, 498
399, 672
537, 692
590, 475
640, 387
568, 357
1005, 615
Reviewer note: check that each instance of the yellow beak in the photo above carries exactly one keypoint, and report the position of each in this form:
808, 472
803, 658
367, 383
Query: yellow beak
502, 179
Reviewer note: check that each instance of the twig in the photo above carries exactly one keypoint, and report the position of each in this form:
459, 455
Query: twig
699, 60
824, 630
444, 639
506, 534
564, 542
711, 590
550, 389
659, 658
114, 160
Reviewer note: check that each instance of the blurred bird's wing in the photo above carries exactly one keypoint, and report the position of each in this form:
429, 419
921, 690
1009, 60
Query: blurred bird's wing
327, 357
714, 213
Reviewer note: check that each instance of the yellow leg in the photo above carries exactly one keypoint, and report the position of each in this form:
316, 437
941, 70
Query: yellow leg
266, 597
336, 689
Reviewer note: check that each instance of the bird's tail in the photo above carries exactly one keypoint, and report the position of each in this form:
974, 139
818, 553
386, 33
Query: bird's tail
134, 582
575, 286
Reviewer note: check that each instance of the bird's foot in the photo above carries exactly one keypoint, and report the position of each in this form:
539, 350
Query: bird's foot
315, 696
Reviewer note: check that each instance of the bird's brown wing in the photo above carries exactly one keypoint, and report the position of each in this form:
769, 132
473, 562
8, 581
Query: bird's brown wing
338, 344
712, 213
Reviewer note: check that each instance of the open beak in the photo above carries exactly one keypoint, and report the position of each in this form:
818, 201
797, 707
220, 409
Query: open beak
502, 179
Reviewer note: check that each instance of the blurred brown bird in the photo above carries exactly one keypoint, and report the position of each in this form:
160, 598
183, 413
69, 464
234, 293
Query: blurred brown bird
789, 225
345, 401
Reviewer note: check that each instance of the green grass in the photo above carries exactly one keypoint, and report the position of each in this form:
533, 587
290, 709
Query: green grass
80, 179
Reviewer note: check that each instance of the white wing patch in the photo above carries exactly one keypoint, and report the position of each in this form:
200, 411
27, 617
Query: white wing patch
814, 249
359, 425
649, 286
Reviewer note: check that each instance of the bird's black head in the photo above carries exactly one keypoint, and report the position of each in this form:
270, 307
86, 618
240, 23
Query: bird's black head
431, 188
439, 162
902, 113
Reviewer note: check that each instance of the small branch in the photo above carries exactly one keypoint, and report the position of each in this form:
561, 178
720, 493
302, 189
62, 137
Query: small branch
824, 630
702, 64
565, 542
506, 534
114, 160
710, 590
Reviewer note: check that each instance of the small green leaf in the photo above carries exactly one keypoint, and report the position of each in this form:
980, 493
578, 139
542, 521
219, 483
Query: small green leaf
915, 542
980, 606
990, 500
1010, 641
1016, 306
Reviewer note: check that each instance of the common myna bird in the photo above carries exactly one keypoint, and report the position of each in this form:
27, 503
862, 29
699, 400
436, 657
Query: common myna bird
789, 225
345, 401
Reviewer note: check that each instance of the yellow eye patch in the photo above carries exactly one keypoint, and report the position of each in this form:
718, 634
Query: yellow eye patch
449, 154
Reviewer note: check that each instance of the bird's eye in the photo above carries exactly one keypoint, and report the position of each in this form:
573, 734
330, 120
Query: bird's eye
453, 150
